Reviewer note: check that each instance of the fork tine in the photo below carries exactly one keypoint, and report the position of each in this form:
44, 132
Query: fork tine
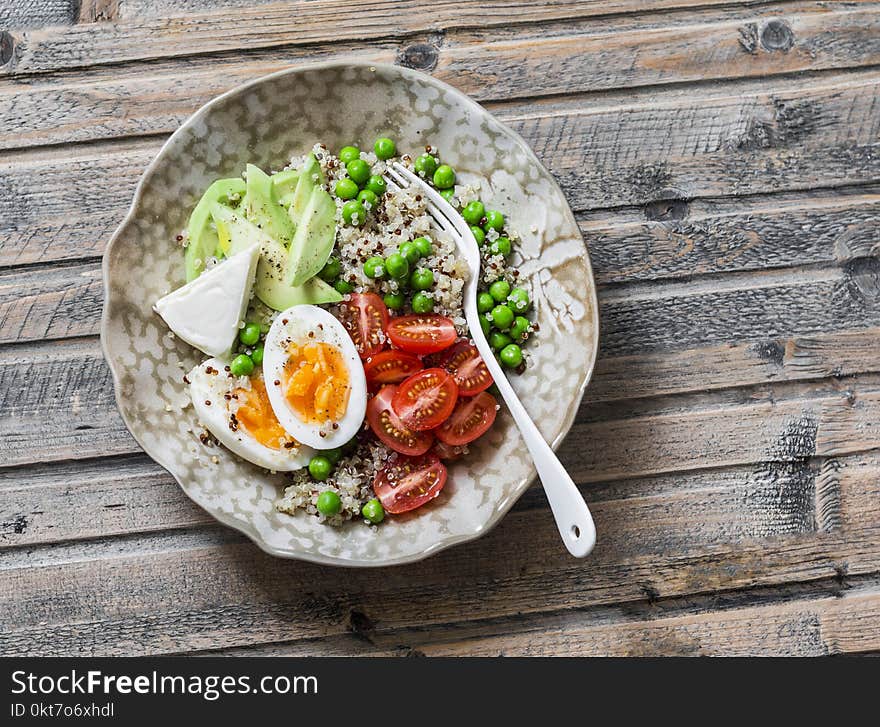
400, 179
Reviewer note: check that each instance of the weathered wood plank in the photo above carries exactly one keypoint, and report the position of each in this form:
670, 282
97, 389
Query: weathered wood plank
480, 64
225, 593
22, 14
287, 23
839, 623
706, 144
703, 237
72, 413
65, 301
682, 626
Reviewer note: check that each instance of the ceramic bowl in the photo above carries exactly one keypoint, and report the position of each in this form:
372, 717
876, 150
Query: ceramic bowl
265, 122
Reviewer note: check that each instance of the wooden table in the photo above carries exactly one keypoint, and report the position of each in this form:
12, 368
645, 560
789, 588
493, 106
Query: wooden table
723, 160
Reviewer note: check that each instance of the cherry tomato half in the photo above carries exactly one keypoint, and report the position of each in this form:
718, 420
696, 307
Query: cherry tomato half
386, 425
365, 317
425, 399
391, 367
467, 368
422, 333
470, 419
409, 482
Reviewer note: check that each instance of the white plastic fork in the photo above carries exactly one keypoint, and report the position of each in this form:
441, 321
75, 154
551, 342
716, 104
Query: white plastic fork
573, 518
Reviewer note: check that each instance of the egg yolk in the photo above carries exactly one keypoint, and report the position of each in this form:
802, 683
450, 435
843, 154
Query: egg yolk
316, 385
255, 414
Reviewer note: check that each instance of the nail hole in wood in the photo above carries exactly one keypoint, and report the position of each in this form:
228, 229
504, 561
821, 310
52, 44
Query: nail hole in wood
418, 56
7, 46
776, 35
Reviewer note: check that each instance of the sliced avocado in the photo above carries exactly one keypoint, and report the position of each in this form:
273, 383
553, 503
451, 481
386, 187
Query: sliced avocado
270, 285
310, 176
284, 184
263, 208
203, 239
314, 238
274, 291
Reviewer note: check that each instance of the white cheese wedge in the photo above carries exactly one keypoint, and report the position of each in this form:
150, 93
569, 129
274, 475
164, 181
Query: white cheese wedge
206, 311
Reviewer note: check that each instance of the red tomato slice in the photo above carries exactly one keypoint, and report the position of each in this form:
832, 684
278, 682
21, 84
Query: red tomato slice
469, 420
391, 367
386, 425
365, 317
425, 399
448, 451
422, 334
467, 368
409, 482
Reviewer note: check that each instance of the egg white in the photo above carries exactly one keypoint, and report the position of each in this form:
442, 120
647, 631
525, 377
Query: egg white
207, 387
294, 325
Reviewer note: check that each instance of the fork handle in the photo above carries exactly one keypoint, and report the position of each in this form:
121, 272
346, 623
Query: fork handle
573, 518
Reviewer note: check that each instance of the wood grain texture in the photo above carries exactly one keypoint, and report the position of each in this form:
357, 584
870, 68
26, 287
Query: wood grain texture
723, 163
208, 590
156, 101
286, 23
814, 133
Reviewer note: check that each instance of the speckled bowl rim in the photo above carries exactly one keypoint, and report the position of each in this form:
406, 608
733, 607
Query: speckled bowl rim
505, 505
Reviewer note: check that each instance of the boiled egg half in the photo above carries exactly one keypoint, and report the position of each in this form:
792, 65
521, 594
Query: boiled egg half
314, 377
236, 410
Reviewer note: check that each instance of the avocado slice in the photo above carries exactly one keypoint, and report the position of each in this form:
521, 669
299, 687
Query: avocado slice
203, 239
310, 176
263, 207
284, 183
270, 286
314, 238
275, 292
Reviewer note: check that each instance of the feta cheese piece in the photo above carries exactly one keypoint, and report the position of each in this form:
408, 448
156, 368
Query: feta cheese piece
206, 312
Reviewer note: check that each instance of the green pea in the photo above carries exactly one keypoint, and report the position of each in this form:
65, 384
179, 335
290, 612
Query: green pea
376, 185
494, 220
242, 365
520, 328
349, 153
425, 165
250, 334
359, 171
373, 511
511, 355
385, 148
423, 245
320, 467
334, 455
448, 195
343, 286
394, 301
499, 340
374, 267
502, 317
422, 303
257, 356
421, 279
397, 266
499, 290
479, 235
367, 197
410, 252
331, 270
484, 324
519, 300
444, 177
485, 302
473, 212
329, 502
353, 213
501, 245
346, 188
